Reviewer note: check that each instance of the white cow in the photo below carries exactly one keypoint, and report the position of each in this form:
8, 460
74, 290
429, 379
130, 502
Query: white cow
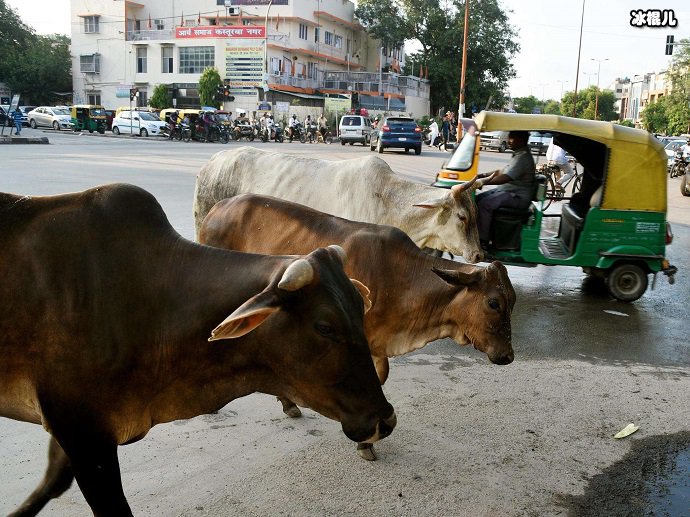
362, 189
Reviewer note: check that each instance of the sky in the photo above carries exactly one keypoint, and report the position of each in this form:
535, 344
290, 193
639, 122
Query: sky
548, 33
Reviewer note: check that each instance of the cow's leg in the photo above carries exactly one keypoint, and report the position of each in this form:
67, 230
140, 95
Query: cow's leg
289, 407
93, 457
56, 481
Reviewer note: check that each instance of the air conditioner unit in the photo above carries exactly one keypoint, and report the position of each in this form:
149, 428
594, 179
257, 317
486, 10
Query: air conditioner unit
233, 11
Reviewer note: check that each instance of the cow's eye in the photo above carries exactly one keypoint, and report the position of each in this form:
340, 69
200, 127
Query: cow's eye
462, 218
493, 303
323, 328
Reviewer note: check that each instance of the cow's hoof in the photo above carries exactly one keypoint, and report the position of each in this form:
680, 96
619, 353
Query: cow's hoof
293, 412
366, 451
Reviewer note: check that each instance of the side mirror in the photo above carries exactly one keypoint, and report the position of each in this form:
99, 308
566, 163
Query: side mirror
136, 118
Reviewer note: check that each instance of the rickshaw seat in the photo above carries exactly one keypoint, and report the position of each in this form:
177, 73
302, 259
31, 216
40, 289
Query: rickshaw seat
570, 228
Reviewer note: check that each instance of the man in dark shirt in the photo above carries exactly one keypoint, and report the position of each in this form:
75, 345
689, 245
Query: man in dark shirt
516, 183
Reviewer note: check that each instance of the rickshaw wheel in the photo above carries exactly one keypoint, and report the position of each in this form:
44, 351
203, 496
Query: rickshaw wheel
627, 282
685, 185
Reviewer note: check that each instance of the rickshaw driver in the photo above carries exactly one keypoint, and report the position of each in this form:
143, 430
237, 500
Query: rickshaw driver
516, 185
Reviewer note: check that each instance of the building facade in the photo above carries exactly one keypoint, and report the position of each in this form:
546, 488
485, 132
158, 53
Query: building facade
280, 52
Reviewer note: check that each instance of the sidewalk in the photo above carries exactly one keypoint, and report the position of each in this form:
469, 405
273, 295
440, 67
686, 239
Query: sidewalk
5, 139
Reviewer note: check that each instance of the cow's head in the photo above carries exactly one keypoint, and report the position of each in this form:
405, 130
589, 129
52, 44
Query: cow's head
479, 314
313, 346
455, 224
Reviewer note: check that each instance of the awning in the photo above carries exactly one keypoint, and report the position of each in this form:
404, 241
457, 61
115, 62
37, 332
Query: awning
297, 94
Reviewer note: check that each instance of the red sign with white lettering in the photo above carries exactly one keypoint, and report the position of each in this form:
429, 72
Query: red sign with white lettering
212, 31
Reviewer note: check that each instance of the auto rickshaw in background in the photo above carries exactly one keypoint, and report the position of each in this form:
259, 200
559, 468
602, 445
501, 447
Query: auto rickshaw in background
614, 228
89, 117
225, 118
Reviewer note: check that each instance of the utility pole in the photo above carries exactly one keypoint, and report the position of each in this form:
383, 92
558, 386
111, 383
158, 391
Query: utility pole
596, 98
579, 49
461, 107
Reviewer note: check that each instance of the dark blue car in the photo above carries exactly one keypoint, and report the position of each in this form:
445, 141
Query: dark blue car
397, 132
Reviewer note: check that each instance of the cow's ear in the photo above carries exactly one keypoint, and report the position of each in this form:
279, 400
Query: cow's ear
247, 316
364, 291
457, 278
434, 203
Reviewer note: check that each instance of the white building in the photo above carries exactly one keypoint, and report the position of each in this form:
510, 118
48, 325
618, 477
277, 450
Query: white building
284, 51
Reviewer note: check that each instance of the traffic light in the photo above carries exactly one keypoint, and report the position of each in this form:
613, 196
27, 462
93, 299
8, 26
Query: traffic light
219, 93
133, 93
669, 45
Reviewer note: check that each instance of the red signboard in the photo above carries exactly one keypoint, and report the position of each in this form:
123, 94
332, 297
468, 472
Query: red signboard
231, 31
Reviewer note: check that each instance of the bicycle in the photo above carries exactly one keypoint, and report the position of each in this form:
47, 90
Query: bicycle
553, 193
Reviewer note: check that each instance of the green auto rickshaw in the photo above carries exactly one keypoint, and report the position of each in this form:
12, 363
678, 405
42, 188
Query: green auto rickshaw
89, 117
613, 226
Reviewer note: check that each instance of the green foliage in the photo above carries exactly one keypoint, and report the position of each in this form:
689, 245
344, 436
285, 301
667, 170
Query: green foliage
161, 97
587, 104
678, 101
626, 123
209, 81
655, 117
525, 104
438, 27
36, 67
553, 107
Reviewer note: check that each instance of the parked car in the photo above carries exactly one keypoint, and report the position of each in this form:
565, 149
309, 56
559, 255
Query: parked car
494, 140
48, 116
355, 128
137, 122
5, 110
397, 132
538, 142
671, 148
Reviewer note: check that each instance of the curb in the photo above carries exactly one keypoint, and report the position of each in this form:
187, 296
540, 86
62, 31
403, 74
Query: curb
24, 140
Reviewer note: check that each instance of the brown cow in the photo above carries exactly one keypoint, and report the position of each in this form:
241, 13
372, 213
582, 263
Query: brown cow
417, 298
105, 318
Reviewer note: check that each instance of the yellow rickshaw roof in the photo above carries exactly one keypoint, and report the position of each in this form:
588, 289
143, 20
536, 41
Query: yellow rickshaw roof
636, 174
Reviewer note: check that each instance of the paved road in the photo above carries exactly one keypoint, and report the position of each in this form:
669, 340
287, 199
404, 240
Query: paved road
474, 439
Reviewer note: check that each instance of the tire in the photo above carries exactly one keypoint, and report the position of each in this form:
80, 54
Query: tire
418, 150
685, 185
352, 143
342, 142
302, 138
379, 147
328, 139
550, 190
143, 132
367, 139
407, 150
250, 137
187, 136
56, 125
32, 124
626, 282
502, 148
223, 138
116, 130
371, 146
674, 170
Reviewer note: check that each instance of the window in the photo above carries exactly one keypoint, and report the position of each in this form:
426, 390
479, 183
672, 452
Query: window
91, 24
142, 98
167, 60
312, 70
317, 33
348, 46
328, 38
90, 64
141, 60
338, 42
93, 97
159, 25
193, 60
302, 31
275, 66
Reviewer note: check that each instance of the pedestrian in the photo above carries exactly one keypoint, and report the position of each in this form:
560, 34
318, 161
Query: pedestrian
555, 155
516, 185
17, 116
445, 131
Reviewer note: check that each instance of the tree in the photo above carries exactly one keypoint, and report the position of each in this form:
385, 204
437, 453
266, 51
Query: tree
553, 107
587, 104
439, 32
677, 103
525, 104
655, 116
161, 97
208, 86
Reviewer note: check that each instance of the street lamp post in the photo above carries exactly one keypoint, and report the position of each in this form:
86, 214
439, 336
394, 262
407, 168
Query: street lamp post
381, 71
563, 83
268, 9
596, 98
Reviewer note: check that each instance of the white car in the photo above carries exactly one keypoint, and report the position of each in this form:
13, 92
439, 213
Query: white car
50, 116
671, 148
140, 123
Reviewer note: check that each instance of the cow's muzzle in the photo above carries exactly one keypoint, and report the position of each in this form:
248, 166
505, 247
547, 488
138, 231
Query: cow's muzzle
381, 428
502, 358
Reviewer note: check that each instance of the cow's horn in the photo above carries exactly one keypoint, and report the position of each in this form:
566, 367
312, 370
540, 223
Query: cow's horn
461, 187
297, 275
341, 253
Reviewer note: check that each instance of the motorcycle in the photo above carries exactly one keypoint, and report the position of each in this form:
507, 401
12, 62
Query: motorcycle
243, 129
680, 164
180, 132
324, 135
278, 135
297, 131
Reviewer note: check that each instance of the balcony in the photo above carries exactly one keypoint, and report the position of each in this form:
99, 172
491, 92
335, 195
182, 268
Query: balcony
151, 34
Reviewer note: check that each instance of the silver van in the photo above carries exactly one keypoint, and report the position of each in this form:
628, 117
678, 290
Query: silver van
355, 128
494, 140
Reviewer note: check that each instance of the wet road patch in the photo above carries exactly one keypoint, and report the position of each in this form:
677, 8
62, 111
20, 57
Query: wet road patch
652, 479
